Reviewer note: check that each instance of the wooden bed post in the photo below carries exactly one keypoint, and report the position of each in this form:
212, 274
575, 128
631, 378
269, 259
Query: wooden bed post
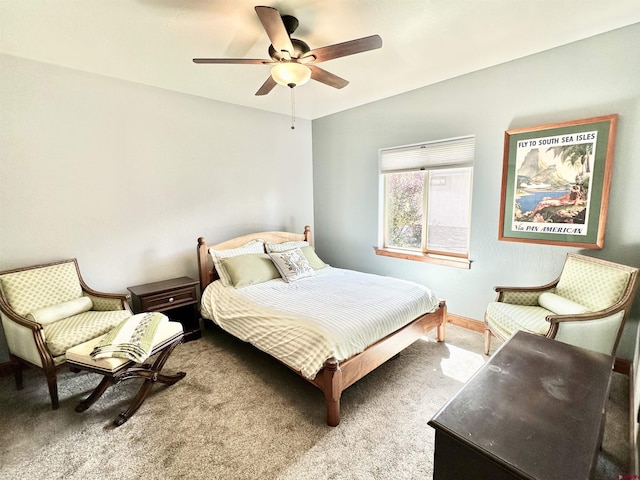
307, 234
203, 264
333, 391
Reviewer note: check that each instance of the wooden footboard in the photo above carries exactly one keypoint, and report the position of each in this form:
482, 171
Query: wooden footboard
335, 377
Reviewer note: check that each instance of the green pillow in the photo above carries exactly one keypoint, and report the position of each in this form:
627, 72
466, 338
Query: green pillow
250, 269
312, 258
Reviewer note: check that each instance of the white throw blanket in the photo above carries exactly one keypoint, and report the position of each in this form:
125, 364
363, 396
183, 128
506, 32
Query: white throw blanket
132, 338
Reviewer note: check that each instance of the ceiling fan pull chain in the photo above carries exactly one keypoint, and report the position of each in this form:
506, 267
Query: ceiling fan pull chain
293, 110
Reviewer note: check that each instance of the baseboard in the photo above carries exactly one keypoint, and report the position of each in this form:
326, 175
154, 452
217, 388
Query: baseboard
620, 366
468, 323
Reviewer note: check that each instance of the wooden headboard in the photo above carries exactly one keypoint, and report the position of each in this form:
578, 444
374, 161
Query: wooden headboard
207, 273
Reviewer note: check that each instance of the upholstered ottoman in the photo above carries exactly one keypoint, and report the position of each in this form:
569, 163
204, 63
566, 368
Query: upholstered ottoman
115, 370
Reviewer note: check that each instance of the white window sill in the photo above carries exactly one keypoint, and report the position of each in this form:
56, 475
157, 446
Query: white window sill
425, 257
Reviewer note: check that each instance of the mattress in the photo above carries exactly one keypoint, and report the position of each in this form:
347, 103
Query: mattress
336, 313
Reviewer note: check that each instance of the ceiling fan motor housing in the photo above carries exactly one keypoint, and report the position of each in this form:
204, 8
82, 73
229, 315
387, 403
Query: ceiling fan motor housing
300, 49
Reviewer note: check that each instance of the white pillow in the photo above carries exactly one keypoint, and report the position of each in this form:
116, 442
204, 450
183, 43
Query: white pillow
62, 310
254, 246
292, 264
560, 305
284, 246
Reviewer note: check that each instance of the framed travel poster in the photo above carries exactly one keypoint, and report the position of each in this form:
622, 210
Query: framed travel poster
555, 182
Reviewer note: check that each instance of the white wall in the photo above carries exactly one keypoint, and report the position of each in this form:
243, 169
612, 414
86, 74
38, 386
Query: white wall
126, 177
594, 77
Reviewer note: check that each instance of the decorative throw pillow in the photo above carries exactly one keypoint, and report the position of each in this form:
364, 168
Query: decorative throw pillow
284, 246
312, 258
250, 269
254, 246
47, 315
560, 305
292, 264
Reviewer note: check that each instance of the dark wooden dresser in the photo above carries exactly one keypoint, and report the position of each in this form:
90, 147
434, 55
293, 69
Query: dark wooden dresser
534, 411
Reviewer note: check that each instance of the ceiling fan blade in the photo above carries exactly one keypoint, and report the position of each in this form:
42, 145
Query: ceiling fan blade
351, 47
274, 26
266, 86
253, 61
327, 78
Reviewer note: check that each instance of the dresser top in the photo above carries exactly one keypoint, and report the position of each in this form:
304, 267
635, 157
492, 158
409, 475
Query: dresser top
162, 286
536, 408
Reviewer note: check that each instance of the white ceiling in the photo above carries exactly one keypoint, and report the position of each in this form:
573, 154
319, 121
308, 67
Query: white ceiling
424, 41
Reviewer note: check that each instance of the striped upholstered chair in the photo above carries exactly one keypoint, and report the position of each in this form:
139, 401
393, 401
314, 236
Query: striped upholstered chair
585, 306
47, 309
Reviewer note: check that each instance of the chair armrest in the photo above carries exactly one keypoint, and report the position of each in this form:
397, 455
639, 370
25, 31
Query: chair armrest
25, 338
522, 295
103, 304
107, 301
94, 293
598, 331
9, 313
103, 301
580, 317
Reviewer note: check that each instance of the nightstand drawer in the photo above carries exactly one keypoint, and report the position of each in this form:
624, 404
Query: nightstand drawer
167, 300
178, 298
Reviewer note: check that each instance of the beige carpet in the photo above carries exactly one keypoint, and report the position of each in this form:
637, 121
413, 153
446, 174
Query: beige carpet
240, 415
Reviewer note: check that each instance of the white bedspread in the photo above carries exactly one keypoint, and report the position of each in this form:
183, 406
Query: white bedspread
336, 313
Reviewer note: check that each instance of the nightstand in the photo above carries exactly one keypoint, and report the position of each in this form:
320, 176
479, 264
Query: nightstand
177, 298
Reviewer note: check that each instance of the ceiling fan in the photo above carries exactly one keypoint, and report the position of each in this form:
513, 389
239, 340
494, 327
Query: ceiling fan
292, 59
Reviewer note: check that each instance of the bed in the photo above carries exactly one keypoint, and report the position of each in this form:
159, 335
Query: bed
331, 326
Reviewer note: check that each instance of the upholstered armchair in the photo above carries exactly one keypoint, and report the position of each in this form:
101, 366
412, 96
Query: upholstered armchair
585, 306
47, 309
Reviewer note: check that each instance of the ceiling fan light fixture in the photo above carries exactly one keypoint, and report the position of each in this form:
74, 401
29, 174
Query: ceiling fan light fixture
290, 74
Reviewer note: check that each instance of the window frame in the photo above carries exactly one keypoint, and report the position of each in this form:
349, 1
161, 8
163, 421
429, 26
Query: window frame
439, 158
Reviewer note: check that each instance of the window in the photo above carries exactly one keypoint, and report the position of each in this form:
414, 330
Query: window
426, 206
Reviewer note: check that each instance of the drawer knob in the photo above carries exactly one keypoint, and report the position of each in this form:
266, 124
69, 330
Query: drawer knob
170, 299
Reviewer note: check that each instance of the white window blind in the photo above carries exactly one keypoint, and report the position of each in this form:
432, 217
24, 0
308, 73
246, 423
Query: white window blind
453, 152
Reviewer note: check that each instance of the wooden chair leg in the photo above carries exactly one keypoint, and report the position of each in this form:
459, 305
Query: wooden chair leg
17, 374
487, 341
151, 375
95, 395
441, 329
52, 382
137, 401
145, 388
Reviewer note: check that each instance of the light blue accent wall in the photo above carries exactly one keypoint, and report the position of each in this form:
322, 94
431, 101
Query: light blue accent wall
594, 77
